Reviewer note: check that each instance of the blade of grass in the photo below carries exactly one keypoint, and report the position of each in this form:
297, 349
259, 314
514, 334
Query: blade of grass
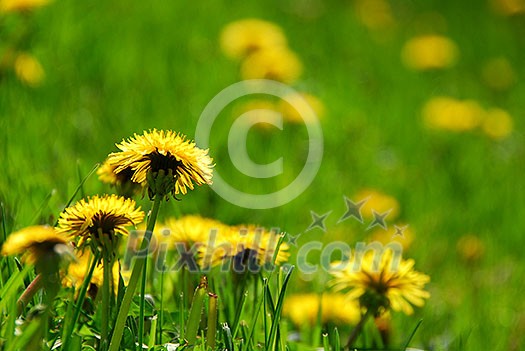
412, 334
278, 310
196, 311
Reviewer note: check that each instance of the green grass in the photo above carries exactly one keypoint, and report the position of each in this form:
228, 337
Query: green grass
116, 68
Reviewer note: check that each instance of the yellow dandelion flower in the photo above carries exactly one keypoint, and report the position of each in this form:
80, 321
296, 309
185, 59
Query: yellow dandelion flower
244, 247
291, 107
121, 181
470, 248
429, 52
191, 229
167, 151
278, 64
498, 74
401, 233
37, 244
78, 271
381, 282
21, 5
378, 202
29, 70
497, 123
244, 37
100, 221
452, 114
375, 14
336, 309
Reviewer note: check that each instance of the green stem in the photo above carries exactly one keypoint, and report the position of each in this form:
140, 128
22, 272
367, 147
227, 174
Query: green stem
140, 262
196, 312
212, 321
106, 305
357, 330
29, 292
80, 301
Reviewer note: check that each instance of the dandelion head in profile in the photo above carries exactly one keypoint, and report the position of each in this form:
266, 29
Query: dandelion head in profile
164, 161
380, 284
100, 221
40, 245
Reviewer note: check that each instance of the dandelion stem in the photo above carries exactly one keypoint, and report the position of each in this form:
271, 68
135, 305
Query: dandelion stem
29, 292
106, 305
80, 301
140, 263
358, 328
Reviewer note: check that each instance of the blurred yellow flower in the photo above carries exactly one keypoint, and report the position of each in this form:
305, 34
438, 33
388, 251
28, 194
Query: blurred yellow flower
498, 74
508, 7
260, 113
451, 114
278, 64
244, 37
470, 248
379, 202
191, 229
381, 283
375, 14
37, 244
401, 233
28, 69
497, 123
21, 5
246, 247
122, 180
292, 109
336, 309
78, 270
429, 52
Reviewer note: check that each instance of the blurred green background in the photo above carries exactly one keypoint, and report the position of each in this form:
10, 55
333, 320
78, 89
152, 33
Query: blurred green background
114, 68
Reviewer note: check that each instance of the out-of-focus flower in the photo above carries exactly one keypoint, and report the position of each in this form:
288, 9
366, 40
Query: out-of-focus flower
401, 233
429, 52
21, 5
245, 37
37, 244
498, 74
28, 69
335, 309
375, 14
246, 248
78, 271
181, 161
261, 114
296, 108
191, 229
382, 282
470, 248
122, 180
508, 7
378, 202
451, 114
497, 123
279, 64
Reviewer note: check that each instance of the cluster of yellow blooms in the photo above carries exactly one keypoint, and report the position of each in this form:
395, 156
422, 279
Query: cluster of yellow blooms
212, 243
262, 48
464, 115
